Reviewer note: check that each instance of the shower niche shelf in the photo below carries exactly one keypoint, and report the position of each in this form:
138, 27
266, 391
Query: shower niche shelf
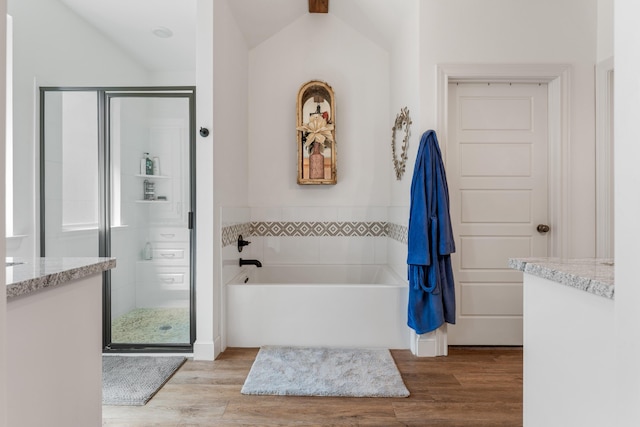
150, 202
153, 176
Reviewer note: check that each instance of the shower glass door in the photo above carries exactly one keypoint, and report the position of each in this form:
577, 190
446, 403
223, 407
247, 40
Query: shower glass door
99, 197
149, 140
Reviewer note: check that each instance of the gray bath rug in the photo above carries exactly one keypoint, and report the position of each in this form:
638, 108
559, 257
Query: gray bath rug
133, 380
309, 371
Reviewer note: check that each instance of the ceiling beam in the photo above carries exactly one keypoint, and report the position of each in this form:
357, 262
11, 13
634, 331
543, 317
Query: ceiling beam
318, 6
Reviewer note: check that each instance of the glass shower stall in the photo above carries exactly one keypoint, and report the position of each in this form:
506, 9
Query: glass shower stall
117, 179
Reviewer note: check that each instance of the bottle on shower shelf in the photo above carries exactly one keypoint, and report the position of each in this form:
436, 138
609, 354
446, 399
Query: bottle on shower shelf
143, 164
149, 190
148, 252
156, 166
148, 165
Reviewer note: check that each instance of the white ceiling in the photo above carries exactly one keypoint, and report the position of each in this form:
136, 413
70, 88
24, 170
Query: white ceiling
260, 19
376, 19
129, 23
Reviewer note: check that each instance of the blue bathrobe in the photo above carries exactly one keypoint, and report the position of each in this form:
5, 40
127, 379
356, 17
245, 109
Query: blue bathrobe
431, 287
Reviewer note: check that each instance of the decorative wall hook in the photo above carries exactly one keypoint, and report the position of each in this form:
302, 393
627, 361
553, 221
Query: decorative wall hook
403, 121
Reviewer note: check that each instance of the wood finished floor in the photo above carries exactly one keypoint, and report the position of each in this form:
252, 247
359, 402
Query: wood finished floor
477, 387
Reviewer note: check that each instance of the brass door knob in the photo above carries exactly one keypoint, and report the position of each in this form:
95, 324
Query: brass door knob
543, 228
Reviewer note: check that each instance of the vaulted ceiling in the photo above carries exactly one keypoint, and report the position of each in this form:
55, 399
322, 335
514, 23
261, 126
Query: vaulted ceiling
376, 19
129, 23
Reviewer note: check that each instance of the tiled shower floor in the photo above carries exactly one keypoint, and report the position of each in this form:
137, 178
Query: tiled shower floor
152, 326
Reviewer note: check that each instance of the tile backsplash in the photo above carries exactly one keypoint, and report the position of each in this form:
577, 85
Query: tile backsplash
398, 232
230, 233
319, 229
311, 235
314, 229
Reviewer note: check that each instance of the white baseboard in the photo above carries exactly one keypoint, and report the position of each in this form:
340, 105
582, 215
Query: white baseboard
204, 350
432, 344
217, 347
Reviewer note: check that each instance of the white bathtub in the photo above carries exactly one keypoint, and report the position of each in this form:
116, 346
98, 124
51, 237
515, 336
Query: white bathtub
329, 305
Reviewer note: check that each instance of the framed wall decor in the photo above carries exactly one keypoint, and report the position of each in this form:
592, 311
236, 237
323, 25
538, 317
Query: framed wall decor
316, 134
403, 124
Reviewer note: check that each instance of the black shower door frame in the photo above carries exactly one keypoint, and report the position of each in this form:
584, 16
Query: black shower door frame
104, 95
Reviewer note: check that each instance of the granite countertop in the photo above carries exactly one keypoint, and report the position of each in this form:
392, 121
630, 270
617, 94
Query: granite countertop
591, 275
28, 275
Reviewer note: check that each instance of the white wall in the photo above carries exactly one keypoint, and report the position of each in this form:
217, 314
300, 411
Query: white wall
230, 109
522, 31
204, 215
3, 288
53, 47
405, 81
229, 153
627, 211
323, 48
173, 78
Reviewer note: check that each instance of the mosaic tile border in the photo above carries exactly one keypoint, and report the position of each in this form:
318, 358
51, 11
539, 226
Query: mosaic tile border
315, 229
319, 229
398, 232
230, 233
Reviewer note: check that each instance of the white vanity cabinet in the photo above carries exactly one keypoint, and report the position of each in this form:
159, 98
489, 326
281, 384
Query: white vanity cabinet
54, 342
568, 342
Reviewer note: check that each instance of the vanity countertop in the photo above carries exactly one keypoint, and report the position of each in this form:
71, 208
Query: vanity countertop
28, 275
593, 275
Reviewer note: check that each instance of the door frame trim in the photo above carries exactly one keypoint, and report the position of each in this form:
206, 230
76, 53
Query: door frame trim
604, 159
557, 77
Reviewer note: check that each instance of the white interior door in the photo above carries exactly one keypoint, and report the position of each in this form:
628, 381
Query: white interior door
497, 174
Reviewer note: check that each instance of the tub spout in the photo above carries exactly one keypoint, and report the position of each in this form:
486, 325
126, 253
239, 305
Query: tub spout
250, 262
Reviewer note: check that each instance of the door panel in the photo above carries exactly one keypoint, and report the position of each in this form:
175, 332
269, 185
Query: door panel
495, 113
497, 173
492, 252
495, 160
151, 233
491, 299
495, 206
